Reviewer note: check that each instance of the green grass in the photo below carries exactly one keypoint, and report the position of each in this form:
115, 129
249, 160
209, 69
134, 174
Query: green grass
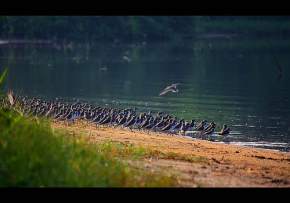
132, 152
33, 155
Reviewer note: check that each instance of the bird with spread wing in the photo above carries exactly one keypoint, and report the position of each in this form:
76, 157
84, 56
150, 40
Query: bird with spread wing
171, 88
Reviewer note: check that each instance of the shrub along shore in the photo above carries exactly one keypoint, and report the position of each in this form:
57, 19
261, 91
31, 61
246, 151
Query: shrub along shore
35, 155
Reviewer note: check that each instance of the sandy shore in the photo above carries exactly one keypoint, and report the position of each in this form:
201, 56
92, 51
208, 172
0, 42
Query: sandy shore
225, 166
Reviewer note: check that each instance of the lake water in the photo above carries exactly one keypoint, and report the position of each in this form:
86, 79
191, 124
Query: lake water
232, 80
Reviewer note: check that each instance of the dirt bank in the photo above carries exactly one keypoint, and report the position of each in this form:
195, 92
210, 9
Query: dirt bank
222, 165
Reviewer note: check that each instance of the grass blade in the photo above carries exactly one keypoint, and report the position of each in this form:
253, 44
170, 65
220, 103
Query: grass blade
3, 76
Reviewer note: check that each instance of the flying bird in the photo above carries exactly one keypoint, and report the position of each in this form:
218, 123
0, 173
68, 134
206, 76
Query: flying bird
171, 88
126, 58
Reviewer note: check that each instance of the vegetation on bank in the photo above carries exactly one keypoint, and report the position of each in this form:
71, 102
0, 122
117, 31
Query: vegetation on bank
34, 155
94, 28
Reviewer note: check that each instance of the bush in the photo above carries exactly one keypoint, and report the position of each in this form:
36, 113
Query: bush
32, 155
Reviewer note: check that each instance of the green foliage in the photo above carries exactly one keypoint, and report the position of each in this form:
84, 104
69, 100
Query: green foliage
120, 150
92, 28
32, 155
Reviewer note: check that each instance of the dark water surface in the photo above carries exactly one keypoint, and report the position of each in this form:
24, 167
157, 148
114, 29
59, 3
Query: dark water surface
231, 80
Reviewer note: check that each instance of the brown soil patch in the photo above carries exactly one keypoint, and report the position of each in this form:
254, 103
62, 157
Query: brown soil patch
226, 166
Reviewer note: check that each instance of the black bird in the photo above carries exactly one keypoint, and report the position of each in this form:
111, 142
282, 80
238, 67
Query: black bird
63, 117
106, 120
114, 118
87, 116
200, 126
160, 123
168, 126
138, 122
210, 126
178, 125
130, 122
58, 114
97, 118
150, 125
225, 130
104, 117
186, 126
69, 116
41, 112
48, 113
191, 124
145, 122
122, 120
209, 130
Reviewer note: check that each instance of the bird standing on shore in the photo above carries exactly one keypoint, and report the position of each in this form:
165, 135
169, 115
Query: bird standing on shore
225, 130
11, 97
171, 88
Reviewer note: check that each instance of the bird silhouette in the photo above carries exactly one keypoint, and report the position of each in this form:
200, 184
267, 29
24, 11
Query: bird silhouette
225, 130
11, 97
170, 88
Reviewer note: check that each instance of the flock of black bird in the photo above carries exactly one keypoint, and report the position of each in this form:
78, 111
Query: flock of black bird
59, 110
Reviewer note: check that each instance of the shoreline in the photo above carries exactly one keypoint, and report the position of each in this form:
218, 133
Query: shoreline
226, 165
255, 145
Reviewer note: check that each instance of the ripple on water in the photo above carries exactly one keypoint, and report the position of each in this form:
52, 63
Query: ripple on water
274, 117
263, 144
238, 125
271, 127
